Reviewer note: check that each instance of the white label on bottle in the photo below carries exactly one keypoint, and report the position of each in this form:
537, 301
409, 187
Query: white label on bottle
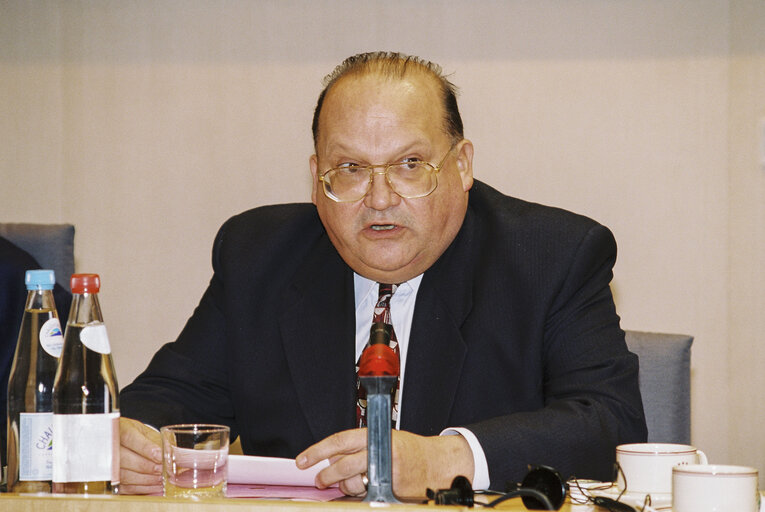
95, 338
35, 446
51, 337
86, 447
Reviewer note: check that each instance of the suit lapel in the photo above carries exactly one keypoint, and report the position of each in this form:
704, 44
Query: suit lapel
437, 351
317, 324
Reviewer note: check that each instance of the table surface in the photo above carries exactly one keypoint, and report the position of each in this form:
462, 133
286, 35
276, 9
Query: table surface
100, 503
106, 503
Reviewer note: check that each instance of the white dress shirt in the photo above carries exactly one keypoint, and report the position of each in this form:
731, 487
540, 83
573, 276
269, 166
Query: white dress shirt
402, 312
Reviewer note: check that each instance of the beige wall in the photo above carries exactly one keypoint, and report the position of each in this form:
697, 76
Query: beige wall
746, 177
148, 123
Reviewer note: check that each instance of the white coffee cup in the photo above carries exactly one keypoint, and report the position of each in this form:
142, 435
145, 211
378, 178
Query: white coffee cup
714, 488
647, 467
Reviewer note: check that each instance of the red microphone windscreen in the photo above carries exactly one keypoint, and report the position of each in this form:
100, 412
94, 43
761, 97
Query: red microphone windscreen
377, 361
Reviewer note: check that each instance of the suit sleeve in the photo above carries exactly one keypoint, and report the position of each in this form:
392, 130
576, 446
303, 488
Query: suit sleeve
591, 397
186, 380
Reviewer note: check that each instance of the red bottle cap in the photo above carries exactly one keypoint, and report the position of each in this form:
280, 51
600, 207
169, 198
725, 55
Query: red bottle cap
378, 360
85, 283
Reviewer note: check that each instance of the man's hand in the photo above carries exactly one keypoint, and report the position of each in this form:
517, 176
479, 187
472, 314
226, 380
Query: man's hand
418, 462
140, 458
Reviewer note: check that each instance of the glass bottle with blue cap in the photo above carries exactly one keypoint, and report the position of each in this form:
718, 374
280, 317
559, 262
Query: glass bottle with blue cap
30, 388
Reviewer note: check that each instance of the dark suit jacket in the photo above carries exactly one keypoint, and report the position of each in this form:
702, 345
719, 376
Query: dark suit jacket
514, 336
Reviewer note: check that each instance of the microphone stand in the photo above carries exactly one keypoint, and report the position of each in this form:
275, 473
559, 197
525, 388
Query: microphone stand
378, 372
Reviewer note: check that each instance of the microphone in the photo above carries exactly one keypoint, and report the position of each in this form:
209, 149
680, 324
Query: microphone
380, 333
378, 372
378, 358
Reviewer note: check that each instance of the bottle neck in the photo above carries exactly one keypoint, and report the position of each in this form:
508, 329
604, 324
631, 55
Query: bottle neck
85, 309
40, 300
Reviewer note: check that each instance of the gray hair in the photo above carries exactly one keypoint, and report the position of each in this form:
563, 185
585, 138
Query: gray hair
395, 65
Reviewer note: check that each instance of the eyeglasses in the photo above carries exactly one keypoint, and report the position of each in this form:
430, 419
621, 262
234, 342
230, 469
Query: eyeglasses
409, 179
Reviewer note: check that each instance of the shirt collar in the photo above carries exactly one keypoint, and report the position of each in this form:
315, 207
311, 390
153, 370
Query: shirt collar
364, 287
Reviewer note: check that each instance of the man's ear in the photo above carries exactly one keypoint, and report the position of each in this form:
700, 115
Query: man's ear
465, 163
313, 163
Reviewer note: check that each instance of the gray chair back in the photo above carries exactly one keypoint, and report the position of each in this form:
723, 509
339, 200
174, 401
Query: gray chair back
665, 383
52, 245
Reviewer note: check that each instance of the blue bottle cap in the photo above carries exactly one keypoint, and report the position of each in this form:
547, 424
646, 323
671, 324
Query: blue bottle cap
40, 279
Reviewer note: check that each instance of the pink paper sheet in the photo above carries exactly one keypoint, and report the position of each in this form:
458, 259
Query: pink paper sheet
282, 492
251, 476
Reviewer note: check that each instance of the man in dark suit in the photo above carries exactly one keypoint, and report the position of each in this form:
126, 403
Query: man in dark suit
509, 337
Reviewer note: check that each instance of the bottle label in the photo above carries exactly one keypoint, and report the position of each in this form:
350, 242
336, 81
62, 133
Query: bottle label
86, 447
51, 337
95, 338
35, 446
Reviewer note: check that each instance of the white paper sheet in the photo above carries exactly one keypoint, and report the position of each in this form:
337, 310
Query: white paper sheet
250, 469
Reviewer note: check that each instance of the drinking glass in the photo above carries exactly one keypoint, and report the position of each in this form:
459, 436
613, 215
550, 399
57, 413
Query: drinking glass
195, 460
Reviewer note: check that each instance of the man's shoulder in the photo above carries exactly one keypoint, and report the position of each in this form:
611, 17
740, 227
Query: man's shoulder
493, 206
274, 220
269, 235
277, 212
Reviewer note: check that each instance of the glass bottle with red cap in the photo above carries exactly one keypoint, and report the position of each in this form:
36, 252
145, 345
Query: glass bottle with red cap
30, 388
85, 400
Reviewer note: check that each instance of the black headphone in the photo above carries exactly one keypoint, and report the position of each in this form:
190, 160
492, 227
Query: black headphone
542, 488
460, 493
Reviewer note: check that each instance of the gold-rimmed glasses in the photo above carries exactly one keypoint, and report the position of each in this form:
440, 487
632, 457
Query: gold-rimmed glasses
409, 179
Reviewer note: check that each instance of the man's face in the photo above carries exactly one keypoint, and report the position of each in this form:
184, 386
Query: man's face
373, 120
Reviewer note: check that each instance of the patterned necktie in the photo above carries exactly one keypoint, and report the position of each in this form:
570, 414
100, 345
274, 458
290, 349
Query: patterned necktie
381, 314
